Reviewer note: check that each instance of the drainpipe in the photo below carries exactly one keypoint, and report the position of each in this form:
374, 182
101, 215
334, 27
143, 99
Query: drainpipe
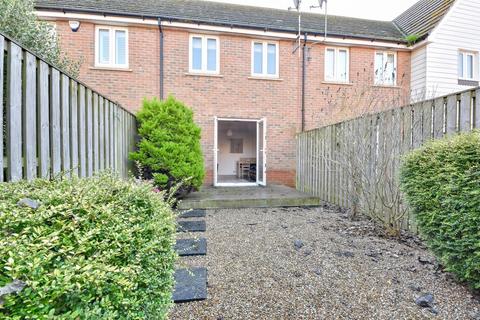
161, 57
304, 73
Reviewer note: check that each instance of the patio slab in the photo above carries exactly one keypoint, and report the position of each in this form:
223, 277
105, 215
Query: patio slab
190, 285
191, 247
247, 197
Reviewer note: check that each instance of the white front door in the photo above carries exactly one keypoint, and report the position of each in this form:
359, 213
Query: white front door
215, 153
261, 152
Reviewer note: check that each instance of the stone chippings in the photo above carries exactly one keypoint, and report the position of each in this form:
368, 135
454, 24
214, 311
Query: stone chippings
255, 271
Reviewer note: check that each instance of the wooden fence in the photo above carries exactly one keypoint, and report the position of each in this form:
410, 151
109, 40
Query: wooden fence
54, 124
344, 162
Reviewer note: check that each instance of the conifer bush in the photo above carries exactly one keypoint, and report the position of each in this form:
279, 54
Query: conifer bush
169, 151
96, 248
442, 185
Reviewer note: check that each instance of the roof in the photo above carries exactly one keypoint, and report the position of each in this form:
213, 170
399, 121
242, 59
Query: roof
217, 13
421, 18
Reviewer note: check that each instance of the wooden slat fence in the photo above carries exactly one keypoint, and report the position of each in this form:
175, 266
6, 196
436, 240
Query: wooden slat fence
54, 124
355, 164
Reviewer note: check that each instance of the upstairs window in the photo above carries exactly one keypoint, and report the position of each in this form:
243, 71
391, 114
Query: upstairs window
204, 54
385, 68
467, 65
111, 47
336, 64
265, 59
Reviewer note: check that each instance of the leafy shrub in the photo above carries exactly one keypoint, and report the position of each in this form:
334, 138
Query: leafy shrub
96, 248
19, 21
169, 151
442, 185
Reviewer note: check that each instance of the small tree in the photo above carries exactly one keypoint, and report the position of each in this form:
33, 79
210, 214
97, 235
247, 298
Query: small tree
18, 20
169, 151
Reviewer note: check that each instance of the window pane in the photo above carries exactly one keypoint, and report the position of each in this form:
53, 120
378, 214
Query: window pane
197, 53
104, 46
342, 65
460, 65
120, 48
379, 68
212, 55
330, 64
470, 66
258, 58
390, 69
272, 59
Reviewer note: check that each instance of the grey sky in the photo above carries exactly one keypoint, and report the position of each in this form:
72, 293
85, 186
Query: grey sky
369, 9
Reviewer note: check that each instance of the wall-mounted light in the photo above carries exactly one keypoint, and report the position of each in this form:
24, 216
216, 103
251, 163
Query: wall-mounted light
74, 25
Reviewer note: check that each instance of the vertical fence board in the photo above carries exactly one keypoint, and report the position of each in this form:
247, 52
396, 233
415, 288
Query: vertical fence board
465, 122
29, 115
65, 123
2, 57
427, 116
74, 127
14, 112
96, 138
451, 114
55, 127
101, 134
82, 132
89, 138
439, 118
43, 121
107, 134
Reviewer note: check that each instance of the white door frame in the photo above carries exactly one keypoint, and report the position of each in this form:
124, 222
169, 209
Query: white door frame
215, 153
263, 151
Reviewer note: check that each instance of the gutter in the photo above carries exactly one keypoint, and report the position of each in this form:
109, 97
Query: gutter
160, 29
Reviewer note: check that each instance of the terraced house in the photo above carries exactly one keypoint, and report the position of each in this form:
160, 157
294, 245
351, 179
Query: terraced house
251, 82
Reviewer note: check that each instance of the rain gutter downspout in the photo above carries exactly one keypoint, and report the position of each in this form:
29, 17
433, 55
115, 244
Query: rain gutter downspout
161, 57
304, 73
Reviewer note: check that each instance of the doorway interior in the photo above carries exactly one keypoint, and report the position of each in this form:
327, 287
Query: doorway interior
239, 152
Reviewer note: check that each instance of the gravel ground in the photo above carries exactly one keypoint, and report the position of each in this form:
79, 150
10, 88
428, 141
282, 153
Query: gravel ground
344, 270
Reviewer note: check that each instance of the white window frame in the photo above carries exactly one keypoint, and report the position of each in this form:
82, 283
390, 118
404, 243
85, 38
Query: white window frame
474, 56
112, 53
395, 68
204, 69
265, 73
336, 76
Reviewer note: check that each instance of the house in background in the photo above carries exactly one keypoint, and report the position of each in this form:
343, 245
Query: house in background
446, 59
251, 84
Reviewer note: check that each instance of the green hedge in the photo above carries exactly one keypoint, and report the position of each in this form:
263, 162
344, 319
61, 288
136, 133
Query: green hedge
442, 184
169, 151
96, 248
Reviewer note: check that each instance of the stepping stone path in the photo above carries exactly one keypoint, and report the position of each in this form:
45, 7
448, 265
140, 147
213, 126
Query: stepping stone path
191, 283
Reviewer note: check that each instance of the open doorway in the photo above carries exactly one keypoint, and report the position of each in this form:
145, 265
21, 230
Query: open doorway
239, 152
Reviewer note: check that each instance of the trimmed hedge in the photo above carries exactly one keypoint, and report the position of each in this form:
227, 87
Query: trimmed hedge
442, 184
169, 151
96, 248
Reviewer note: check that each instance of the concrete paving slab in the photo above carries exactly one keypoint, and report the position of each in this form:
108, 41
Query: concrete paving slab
190, 285
192, 226
248, 197
191, 247
195, 213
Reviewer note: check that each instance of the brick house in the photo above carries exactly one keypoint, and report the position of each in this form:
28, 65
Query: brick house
250, 83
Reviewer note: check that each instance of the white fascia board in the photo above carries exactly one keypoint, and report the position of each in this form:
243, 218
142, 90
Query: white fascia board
125, 21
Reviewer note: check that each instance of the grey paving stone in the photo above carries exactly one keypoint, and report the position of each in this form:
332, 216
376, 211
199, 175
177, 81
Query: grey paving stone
190, 285
192, 226
196, 213
191, 247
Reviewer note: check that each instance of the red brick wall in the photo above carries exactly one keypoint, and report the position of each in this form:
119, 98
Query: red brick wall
234, 94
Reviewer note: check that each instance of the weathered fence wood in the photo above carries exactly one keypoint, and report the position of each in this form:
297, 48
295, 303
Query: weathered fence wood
14, 112
377, 142
55, 126
29, 115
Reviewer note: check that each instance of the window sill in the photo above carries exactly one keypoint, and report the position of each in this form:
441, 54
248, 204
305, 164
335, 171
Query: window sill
211, 75
468, 82
111, 69
388, 86
340, 83
264, 78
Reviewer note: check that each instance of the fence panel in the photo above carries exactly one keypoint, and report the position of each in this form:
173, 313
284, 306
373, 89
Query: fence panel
54, 124
377, 142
